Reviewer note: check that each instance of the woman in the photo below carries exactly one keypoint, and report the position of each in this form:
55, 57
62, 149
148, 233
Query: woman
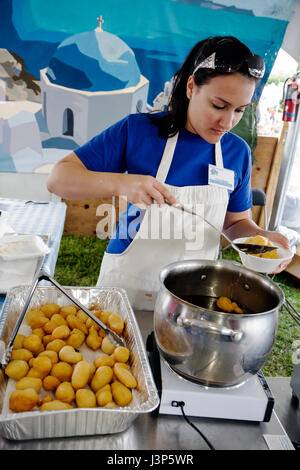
185, 155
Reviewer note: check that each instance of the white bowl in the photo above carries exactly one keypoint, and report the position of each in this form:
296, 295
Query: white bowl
263, 265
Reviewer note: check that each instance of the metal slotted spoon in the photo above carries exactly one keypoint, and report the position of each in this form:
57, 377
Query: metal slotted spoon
7, 350
248, 248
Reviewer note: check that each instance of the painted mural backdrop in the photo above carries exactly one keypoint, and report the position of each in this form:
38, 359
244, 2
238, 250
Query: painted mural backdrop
71, 68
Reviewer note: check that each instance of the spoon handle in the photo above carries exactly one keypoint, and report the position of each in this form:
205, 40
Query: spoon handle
247, 248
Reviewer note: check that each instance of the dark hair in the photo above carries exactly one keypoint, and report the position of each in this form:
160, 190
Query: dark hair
176, 112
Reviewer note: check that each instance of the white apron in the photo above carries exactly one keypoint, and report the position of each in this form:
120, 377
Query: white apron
167, 235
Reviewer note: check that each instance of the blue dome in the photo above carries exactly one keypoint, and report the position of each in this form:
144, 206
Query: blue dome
94, 61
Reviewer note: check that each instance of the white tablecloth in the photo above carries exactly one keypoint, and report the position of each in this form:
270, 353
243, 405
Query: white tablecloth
32, 217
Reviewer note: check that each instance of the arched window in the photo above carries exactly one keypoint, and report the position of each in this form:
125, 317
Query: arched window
68, 122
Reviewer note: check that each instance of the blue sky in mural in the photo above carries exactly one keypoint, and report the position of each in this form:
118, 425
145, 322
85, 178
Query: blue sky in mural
160, 32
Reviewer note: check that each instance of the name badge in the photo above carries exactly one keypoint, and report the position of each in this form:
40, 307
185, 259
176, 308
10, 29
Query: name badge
220, 177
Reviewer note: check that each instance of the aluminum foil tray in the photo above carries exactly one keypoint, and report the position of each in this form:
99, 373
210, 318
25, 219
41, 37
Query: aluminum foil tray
38, 424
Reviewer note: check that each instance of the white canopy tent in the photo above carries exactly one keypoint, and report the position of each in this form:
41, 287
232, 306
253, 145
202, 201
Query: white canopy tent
290, 44
291, 41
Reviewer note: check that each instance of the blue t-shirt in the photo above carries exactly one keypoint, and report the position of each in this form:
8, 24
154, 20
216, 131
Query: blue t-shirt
133, 145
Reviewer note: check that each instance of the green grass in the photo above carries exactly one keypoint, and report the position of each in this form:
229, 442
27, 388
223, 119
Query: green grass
79, 261
279, 362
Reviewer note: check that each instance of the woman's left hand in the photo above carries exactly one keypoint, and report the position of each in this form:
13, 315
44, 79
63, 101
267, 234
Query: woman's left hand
280, 239
239, 224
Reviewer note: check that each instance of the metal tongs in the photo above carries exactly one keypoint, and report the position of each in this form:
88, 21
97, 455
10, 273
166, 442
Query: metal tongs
41, 276
248, 248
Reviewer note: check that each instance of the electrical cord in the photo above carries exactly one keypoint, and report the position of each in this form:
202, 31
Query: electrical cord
181, 404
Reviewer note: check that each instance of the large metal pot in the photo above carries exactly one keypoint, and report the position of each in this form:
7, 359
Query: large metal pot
206, 345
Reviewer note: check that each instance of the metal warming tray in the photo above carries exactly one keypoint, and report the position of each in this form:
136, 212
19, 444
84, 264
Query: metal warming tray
38, 424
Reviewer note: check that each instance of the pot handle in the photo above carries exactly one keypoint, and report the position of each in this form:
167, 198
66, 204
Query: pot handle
210, 327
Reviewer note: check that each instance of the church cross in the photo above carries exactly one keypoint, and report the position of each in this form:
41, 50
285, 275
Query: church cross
100, 22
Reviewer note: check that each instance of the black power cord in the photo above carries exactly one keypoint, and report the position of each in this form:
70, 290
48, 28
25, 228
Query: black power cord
181, 404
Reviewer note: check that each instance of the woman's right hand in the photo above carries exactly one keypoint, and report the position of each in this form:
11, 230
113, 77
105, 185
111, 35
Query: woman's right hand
143, 190
70, 179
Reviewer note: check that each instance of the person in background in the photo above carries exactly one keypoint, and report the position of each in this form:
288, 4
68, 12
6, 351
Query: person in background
186, 155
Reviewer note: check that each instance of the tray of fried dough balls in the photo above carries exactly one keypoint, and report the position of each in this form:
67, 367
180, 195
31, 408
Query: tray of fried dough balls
65, 377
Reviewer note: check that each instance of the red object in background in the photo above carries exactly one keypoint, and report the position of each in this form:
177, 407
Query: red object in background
291, 100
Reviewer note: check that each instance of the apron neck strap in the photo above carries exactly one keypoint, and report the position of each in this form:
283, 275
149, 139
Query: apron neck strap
167, 158
218, 155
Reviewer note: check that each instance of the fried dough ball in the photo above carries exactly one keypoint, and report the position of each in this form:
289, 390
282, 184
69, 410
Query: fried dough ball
62, 370
38, 321
68, 354
18, 342
74, 322
16, 369
68, 310
101, 333
33, 343
53, 356
124, 376
55, 345
103, 376
98, 313
111, 404
61, 332
269, 255
236, 308
21, 354
121, 354
103, 316
50, 326
32, 315
104, 360
116, 323
65, 392
121, 394
55, 405
93, 340
34, 373
23, 400
59, 319
39, 332
107, 346
50, 383
81, 374
76, 338
104, 395
29, 382
43, 365
85, 398
260, 240
91, 323
82, 316
50, 309
46, 399
225, 304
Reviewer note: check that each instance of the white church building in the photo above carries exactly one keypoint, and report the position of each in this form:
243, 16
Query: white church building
91, 82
